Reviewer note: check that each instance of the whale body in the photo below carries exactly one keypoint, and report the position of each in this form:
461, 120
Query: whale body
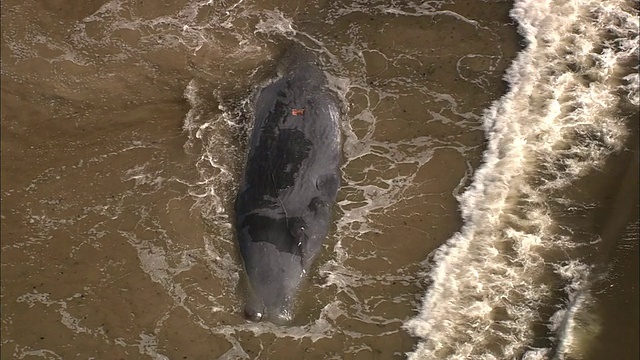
284, 205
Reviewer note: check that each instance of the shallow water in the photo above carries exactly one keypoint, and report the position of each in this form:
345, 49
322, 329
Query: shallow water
124, 130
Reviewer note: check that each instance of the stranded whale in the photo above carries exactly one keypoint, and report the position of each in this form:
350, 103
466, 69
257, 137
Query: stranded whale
283, 208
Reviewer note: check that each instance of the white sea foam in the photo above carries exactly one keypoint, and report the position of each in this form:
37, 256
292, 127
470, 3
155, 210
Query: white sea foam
558, 121
220, 152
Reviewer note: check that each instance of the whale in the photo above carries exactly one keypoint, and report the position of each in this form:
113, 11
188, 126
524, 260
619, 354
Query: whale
292, 175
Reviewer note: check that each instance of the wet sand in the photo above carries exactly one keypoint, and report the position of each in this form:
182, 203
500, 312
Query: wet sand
102, 245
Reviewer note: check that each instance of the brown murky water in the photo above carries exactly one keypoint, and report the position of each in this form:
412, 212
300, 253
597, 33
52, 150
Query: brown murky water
123, 132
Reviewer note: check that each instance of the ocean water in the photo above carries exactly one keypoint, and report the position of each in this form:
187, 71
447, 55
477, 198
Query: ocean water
489, 200
524, 257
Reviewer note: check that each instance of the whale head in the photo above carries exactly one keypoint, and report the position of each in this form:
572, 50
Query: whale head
274, 257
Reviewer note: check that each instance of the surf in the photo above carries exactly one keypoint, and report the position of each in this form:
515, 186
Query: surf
492, 283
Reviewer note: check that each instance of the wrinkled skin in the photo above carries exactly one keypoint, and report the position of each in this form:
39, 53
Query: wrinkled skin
283, 209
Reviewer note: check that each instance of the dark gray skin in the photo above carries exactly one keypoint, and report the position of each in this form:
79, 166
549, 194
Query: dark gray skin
283, 208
